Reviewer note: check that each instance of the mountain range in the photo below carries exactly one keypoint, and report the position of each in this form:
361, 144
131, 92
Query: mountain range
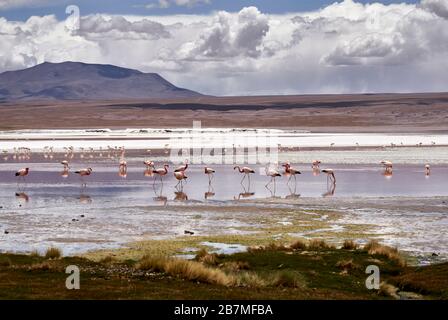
82, 81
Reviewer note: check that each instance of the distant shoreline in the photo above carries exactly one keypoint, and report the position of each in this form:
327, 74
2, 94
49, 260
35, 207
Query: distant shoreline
377, 113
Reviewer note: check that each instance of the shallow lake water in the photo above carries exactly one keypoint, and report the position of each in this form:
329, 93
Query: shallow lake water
47, 209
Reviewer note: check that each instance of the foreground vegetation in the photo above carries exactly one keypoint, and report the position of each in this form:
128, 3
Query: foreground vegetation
301, 270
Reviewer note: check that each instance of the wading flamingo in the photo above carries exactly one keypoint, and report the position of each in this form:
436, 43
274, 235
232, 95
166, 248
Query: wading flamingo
211, 174
65, 163
273, 173
149, 164
123, 169
427, 170
387, 167
65, 170
291, 171
22, 173
182, 168
180, 177
315, 164
330, 175
84, 172
161, 172
246, 170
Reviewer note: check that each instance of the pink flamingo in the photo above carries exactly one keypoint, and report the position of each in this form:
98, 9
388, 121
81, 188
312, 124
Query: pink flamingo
316, 164
149, 164
427, 170
84, 172
161, 172
291, 171
211, 174
22, 173
180, 176
123, 169
65, 164
387, 165
182, 168
330, 175
273, 173
246, 170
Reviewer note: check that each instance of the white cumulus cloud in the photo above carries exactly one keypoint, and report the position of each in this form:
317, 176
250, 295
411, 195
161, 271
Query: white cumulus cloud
344, 47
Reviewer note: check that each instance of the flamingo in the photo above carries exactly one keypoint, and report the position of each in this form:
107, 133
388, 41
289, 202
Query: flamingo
330, 175
273, 173
316, 164
291, 171
211, 174
246, 170
182, 168
22, 173
84, 172
180, 176
149, 164
387, 165
123, 169
64, 173
161, 172
65, 164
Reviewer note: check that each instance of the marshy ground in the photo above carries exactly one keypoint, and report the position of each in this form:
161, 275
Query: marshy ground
299, 270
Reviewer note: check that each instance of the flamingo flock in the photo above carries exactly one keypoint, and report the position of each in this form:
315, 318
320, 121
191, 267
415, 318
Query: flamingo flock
181, 176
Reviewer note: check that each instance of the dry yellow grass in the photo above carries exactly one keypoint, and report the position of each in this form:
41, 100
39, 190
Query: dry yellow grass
388, 290
375, 248
285, 279
207, 258
108, 259
34, 253
317, 244
347, 265
189, 270
53, 253
349, 245
250, 279
196, 271
41, 266
299, 245
235, 266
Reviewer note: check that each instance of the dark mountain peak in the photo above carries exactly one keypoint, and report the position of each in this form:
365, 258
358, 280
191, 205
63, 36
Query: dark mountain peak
78, 80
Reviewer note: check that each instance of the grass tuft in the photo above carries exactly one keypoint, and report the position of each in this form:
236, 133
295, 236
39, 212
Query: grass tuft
235, 266
388, 290
299, 245
347, 265
35, 253
350, 245
317, 244
375, 248
53, 253
189, 270
287, 279
41, 266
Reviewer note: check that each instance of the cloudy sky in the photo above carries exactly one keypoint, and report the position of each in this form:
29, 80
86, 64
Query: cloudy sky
245, 47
